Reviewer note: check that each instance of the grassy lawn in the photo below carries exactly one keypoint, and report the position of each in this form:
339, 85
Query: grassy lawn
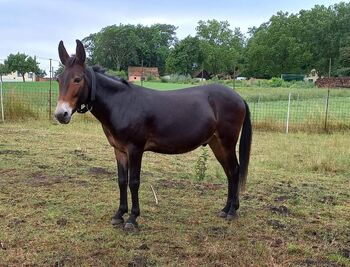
58, 193
269, 106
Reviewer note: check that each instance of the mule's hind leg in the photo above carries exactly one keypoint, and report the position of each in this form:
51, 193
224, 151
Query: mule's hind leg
226, 155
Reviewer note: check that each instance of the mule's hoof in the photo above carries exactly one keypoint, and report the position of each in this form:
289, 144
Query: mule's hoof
117, 221
130, 227
222, 214
232, 217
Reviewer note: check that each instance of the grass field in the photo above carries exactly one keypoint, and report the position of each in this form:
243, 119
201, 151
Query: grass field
269, 106
58, 194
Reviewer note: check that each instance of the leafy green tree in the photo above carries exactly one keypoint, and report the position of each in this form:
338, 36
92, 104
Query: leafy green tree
300, 42
59, 70
222, 48
4, 70
22, 63
117, 47
185, 57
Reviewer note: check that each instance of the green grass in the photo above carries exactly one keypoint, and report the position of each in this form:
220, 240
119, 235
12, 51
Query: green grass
164, 86
58, 193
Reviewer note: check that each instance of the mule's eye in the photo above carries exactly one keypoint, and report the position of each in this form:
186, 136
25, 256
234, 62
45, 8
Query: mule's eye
77, 80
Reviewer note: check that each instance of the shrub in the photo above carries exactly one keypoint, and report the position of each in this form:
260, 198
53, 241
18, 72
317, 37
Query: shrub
150, 78
121, 73
201, 164
276, 82
177, 78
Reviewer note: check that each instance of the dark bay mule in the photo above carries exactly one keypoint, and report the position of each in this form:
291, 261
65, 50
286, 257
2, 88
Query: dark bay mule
137, 119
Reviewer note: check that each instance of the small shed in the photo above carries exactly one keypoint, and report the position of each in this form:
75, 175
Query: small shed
288, 77
135, 73
201, 74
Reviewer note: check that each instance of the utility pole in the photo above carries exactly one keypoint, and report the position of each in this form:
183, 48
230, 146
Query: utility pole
330, 67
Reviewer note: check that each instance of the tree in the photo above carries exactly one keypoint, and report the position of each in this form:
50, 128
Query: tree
22, 63
4, 70
222, 48
59, 70
300, 42
117, 47
185, 57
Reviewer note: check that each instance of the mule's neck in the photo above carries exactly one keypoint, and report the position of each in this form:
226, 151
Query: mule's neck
111, 96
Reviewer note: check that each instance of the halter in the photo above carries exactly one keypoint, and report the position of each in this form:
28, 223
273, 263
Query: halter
88, 106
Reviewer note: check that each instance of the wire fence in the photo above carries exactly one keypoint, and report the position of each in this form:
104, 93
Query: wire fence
325, 111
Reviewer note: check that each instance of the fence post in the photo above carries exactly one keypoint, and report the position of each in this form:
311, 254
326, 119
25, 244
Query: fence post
327, 105
288, 113
2, 103
50, 90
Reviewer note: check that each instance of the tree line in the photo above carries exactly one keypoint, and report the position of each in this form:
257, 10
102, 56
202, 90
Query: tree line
318, 38
288, 43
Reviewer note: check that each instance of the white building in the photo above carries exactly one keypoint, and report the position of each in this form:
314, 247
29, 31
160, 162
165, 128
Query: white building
17, 77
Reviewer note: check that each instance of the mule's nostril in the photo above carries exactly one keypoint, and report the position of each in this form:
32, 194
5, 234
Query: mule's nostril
65, 114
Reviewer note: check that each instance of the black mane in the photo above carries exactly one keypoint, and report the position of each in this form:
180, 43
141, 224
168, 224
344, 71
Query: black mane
101, 70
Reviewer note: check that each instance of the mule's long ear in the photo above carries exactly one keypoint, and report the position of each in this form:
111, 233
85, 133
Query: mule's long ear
80, 53
62, 52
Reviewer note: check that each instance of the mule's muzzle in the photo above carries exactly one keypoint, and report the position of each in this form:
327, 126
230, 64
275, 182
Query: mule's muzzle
63, 113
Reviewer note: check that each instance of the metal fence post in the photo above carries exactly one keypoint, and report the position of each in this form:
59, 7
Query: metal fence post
50, 90
327, 105
288, 113
2, 103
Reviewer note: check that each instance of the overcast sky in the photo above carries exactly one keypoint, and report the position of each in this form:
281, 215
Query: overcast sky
35, 27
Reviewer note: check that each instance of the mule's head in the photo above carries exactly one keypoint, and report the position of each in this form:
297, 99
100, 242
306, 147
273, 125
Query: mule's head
73, 89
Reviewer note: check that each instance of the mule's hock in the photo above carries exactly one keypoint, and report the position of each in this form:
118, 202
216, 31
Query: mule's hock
333, 82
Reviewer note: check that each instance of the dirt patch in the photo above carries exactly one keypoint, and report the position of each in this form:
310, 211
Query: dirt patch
280, 199
276, 224
17, 153
208, 186
217, 231
143, 247
179, 184
16, 222
62, 222
345, 253
81, 155
100, 171
138, 261
283, 210
38, 179
329, 200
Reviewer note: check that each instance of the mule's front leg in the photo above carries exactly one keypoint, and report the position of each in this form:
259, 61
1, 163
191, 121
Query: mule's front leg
122, 163
135, 158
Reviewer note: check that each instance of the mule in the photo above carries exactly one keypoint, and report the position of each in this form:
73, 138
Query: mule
136, 119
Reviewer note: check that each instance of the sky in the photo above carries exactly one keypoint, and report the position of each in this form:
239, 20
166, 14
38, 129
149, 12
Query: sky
35, 27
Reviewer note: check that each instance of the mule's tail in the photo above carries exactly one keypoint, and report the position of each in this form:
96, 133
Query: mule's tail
244, 148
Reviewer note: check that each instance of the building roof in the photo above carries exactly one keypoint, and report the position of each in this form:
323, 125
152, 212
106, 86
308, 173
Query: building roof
147, 71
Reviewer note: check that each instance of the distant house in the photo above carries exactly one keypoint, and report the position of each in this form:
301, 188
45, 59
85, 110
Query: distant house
17, 77
313, 76
201, 74
135, 73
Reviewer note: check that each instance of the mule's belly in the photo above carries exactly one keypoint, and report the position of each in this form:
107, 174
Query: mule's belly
181, 138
